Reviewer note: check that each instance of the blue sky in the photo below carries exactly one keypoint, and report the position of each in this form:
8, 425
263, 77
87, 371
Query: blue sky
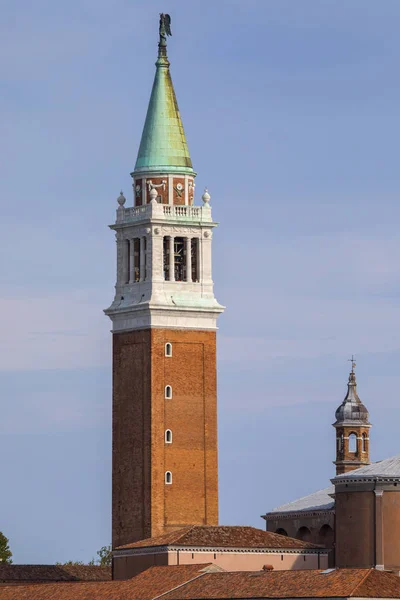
291, 111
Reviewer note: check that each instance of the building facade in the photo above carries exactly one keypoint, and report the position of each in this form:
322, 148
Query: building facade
232, 548
313, 518
164, 317
368, 516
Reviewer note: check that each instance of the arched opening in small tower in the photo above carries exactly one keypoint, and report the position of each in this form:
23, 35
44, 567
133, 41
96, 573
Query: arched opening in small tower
353, 442
281, 531
364, 442
303, 534
325, 536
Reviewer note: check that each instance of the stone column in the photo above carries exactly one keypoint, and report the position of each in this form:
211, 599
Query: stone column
142, 258
132, 261
171, 259
379, 555
186, 191
188, 259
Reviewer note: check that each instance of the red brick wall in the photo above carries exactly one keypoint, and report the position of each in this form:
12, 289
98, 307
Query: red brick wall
178, 195
347, 461
391, 530
355, 529
131, 471
143, 505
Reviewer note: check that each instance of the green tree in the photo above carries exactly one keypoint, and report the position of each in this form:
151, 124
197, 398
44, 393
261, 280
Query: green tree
5, 552
105, 556
104, 559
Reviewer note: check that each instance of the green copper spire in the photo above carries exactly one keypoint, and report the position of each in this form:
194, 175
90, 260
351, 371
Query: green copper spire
163, 147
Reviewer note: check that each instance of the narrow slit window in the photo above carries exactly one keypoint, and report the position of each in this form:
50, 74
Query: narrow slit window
168, 392
168, 477
168, 436
166, 258
168, 349
136, 255
195, 259
127, 261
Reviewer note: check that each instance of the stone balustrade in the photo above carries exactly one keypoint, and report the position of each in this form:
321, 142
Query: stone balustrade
164, 211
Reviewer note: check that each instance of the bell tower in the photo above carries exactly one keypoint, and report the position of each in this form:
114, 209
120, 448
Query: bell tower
352, 429
165, 472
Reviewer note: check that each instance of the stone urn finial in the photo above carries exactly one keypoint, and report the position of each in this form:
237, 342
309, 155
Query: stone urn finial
121, 199
206, 197
153, 196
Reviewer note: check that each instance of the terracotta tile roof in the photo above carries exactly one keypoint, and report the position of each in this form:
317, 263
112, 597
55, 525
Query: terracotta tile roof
339, 583
145, 586
196, 582
28, 573
223, 537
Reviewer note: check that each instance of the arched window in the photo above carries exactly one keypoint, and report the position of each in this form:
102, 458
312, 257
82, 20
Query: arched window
168, 392
168, 436
281, 531
339, 443
303, 534
325, 536
168, 477
364, 442
168, 349
352, 442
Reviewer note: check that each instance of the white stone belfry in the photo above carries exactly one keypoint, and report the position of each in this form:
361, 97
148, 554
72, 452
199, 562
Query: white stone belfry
164, 274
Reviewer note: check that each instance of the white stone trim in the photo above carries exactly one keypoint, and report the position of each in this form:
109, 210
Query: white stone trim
167, 319
366, 479
186, 190
217, 550
298, 514
144, 189
170, 189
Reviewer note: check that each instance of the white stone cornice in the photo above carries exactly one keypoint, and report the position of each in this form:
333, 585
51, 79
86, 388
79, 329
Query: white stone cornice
215, 549
298, 514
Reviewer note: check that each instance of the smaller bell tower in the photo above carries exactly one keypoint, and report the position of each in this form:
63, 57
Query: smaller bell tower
352, 429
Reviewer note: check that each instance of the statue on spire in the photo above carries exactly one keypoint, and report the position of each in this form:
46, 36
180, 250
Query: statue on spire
165, 28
